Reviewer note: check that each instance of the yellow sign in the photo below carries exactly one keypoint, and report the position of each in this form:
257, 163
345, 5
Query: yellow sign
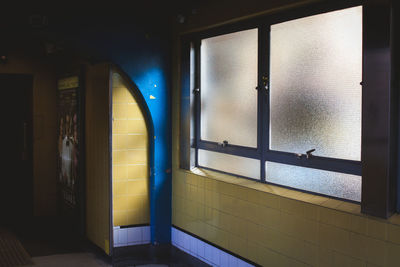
68, 83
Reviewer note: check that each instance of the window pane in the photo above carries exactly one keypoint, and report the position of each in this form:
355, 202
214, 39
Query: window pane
315, 91
335, 184
228, 95
228, 163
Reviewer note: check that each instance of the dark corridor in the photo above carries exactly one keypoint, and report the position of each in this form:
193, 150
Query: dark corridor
17, 181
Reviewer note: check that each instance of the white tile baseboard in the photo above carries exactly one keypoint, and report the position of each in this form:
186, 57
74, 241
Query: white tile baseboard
130, 236
204, 251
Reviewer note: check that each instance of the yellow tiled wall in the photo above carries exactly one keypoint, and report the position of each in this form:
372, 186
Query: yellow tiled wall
273, 226
130, 159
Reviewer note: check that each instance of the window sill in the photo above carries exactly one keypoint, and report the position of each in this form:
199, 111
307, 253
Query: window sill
322, 201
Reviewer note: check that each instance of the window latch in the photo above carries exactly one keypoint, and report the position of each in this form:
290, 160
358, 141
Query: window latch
309, 153
196, 90
223, 144
298, 155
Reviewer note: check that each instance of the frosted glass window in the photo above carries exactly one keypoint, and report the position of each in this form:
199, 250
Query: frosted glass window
315, 91
228, 163
335, 184
228, 81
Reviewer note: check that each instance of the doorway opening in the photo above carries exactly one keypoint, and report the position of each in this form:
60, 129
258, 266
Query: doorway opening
130, 166
17, 187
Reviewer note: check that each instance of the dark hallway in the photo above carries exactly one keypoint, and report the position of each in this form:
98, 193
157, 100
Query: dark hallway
201, 133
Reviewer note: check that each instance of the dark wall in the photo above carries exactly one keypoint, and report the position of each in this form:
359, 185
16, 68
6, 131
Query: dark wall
25, 56
138, 42
134, 37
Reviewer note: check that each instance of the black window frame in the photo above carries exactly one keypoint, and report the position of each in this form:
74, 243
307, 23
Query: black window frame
374, 12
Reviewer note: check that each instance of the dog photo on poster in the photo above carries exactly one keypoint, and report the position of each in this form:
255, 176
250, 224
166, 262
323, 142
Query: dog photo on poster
68, 140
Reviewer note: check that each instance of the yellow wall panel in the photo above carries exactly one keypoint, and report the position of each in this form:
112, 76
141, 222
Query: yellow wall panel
135, 126
119, 110
120, 217
120, 95
120, 157
120, 172
137, 171
98, 155
120, 126
136, 187
137, 156
134, 215
136, 141
130, 159
119, 187
134, 111
269, 229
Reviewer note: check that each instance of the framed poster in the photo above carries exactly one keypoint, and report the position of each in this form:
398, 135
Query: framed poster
70, 147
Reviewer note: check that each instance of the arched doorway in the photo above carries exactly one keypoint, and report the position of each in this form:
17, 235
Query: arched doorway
130, 164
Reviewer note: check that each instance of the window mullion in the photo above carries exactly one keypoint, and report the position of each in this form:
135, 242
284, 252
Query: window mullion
263, 102
197, 92
227, 53
241, 151
315, 162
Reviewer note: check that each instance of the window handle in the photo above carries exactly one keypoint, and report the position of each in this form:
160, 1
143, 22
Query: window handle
223, 144
309, 153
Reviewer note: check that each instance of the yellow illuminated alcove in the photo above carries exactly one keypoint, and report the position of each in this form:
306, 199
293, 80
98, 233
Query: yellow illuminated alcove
130, 150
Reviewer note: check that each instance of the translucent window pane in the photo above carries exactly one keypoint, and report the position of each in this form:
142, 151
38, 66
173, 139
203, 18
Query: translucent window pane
228, 81
228, 163
315, 91
335, 184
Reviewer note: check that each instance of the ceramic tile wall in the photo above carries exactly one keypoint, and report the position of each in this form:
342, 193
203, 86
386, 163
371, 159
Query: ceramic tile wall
131, 236
130, 159
204, 251
270, 229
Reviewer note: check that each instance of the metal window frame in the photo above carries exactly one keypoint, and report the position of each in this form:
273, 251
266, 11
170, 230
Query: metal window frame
378, 148
263, 118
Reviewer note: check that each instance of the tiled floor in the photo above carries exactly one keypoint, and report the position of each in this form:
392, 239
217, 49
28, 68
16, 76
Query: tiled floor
70, 259
44, 238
